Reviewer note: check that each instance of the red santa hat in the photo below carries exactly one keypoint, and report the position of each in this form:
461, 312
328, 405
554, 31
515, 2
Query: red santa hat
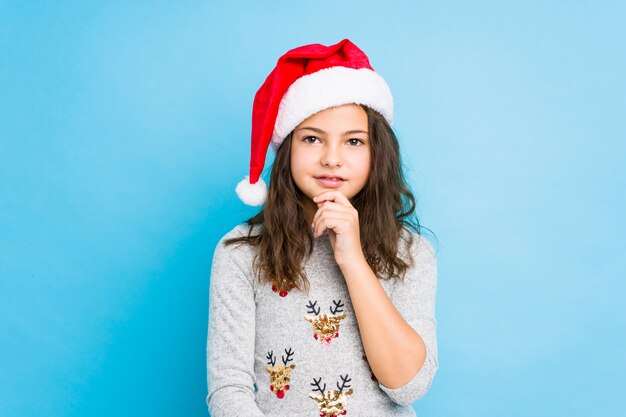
306, 80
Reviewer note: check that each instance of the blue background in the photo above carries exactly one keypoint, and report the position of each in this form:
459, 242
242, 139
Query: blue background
124, 129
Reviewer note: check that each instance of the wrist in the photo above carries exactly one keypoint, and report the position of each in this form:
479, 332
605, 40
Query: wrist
355, 262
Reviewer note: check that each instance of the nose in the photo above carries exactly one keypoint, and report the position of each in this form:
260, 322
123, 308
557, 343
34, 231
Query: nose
331, 156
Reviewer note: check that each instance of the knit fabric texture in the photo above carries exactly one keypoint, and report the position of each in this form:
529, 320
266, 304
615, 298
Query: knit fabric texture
302, 354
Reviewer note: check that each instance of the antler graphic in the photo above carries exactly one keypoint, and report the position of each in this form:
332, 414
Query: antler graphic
337, 308
289, 356
317, 384
344, 383
311, 308
271, 359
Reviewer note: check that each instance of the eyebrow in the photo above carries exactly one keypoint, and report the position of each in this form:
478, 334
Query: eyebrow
349, 132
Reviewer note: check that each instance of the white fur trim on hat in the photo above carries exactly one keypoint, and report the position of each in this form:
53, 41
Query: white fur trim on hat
252, 194
327, 88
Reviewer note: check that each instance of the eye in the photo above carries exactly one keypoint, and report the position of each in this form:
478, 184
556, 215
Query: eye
355, 142
307, 139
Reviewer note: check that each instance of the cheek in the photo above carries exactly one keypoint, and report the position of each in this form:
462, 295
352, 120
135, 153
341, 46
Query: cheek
300, 161
363, 163
298, 170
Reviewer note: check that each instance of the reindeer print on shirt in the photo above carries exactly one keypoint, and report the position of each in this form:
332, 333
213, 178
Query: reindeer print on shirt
332, 403
280, 375
326, 326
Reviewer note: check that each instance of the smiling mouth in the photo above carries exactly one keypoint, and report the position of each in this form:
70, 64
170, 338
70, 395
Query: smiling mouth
330, 182
330, 178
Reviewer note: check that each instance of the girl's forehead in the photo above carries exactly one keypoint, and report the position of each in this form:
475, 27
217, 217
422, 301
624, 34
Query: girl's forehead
345, 118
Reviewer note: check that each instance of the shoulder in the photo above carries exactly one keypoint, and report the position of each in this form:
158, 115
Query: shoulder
237, 250
241, 230
414, 286
420, 248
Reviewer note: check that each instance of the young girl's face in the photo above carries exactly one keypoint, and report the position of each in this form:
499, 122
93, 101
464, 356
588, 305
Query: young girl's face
331, 150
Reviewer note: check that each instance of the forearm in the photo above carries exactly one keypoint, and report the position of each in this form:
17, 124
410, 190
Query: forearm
394, 350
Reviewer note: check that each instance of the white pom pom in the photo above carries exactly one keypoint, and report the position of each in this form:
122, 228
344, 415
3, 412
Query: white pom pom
252, 194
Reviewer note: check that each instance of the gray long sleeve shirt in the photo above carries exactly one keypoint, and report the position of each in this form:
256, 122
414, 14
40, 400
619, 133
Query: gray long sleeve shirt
302, 355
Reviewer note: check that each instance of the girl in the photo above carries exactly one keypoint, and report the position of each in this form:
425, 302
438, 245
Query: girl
323, 304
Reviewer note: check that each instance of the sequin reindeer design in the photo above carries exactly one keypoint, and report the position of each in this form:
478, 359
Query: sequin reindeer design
332, 403
280, 374
326, 326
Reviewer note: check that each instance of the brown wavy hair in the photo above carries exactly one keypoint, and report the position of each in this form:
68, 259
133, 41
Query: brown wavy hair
385, 205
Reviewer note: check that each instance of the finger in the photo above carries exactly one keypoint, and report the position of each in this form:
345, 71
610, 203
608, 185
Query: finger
333, 221
330, 206
335, 195
337, 223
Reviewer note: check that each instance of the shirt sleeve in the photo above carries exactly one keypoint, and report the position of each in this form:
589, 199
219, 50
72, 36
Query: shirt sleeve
414, 298
231, 336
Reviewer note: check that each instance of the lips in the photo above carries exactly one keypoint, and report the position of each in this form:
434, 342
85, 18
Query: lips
330, 177
330, 181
